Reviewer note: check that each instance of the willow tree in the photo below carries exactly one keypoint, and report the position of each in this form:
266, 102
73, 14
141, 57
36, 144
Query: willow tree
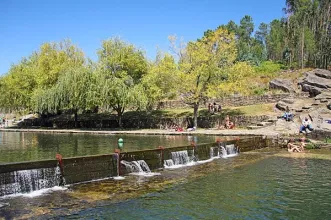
37, 73
201, 62
55, 59
121, 68
73, 91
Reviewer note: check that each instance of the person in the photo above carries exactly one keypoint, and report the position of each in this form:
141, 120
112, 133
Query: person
288, 116
215, 107
191, 129
291, 147
219, 108
228, 124
306, 125
179, 129
209, 107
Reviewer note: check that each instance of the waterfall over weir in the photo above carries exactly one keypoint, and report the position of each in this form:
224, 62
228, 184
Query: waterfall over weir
178, 158
229, 150
181, 158
139, 167
26, 181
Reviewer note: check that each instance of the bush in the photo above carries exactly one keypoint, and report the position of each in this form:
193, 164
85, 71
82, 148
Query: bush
268, 67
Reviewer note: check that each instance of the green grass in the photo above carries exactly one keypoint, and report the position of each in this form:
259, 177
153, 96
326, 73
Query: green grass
261, 109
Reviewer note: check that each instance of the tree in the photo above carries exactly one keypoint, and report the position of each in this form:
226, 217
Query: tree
121, 68
200, 64
162, 79
73, 91
18, 85
37, 73
54, 59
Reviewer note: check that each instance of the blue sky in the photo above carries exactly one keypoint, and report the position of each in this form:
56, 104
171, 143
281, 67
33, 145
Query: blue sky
26, 24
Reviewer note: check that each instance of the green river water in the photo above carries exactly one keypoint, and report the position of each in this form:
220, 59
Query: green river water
262, 184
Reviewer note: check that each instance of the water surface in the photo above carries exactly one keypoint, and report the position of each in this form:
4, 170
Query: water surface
254, 185
20, 146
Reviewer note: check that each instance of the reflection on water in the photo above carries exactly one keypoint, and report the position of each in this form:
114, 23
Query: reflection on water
20, 146
250, 186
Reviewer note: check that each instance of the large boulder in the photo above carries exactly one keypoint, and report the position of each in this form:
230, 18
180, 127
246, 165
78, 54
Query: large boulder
322, 73
281, 105
315, 82
313, 90
282, 84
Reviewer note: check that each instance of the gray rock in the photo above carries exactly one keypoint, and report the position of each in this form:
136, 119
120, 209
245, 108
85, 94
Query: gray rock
313, 90
323, 95
281, 105
282, 84
288, 101
322, 73
315, 82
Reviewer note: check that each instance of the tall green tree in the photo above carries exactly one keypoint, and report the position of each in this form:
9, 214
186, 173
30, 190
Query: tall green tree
201, 62
121, 68
72, 92
161, 82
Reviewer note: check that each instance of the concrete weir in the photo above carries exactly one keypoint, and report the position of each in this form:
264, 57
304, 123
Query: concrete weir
26, 177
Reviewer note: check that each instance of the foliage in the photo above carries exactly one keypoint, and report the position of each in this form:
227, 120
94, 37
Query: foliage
268, 68
39, 72
161, 82
120, 72
201, 63
236, 83
55, 58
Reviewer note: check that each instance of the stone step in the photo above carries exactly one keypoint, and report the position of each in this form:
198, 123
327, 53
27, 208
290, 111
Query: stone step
264, 123
315, 103
272, 120
306, 107
298, 110
253, 127
288, 101
323, 100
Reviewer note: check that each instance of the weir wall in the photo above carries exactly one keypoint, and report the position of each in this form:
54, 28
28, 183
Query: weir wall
80, 169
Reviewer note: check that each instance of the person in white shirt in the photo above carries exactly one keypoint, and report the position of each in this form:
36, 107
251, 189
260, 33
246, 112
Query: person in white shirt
306, 125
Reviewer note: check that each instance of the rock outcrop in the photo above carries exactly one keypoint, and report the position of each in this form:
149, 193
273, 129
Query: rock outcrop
316, 82
282, 84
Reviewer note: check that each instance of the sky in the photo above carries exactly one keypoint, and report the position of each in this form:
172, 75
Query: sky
26, 24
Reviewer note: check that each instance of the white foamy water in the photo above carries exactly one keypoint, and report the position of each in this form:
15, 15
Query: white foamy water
146, 174
192, 163
231, 155
119, 178
37, 192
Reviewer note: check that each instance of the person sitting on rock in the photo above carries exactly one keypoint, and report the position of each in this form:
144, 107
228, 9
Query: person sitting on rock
306, 126
291, 147
288, 116
228, 124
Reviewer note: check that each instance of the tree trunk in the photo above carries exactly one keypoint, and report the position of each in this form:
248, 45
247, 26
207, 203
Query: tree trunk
119, 116
76, 119
195, 114
302, 46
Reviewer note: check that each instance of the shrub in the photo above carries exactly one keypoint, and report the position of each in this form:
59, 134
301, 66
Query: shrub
268, 67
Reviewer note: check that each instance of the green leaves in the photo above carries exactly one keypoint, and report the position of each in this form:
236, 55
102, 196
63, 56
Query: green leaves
121, 59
